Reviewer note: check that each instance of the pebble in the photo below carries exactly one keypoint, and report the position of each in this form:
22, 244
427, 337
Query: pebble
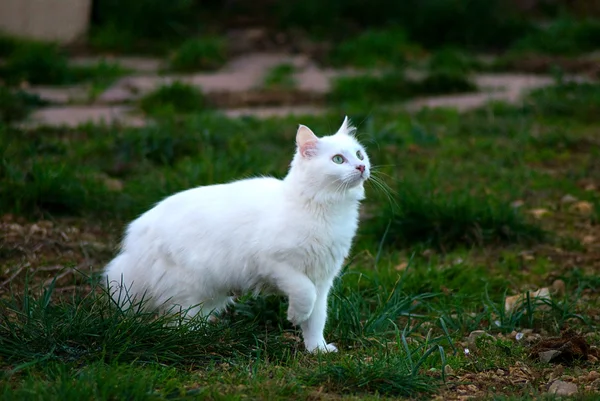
560, 387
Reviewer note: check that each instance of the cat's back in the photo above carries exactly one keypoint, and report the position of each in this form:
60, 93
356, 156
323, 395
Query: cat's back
242, 192
214, 204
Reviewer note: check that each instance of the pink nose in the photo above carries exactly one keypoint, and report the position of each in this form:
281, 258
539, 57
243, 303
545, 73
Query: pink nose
361, 168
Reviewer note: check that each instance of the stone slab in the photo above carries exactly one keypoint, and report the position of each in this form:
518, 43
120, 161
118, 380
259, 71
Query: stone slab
73, 116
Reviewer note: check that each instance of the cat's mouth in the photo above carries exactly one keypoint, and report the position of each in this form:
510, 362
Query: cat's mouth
359, 178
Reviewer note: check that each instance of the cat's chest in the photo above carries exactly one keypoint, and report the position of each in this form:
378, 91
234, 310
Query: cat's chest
324, 243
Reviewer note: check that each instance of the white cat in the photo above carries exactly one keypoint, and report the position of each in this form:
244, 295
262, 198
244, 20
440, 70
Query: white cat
198, 247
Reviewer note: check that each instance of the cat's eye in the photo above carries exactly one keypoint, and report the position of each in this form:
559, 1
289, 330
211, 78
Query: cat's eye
359, 155
338, 159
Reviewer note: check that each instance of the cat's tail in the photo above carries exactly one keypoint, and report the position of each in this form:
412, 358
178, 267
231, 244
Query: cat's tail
120, 290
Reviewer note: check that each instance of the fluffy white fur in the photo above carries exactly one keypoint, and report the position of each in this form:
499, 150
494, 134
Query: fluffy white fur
200, 246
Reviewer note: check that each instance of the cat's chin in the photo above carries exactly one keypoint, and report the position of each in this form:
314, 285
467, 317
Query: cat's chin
356, 182
357, 191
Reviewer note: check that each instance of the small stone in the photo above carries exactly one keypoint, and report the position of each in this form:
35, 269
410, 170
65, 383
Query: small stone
472, 339
448, 370
113, 184
518, 203
568, 199
513, 302
560, 387
588, 239
593, 375
559, 287
427, 252
595, 385
547, 356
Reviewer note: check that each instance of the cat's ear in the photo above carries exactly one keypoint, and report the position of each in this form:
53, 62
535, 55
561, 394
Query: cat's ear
346, 128
306, 141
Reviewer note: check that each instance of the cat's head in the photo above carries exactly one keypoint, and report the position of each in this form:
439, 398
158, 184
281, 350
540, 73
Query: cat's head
336, 164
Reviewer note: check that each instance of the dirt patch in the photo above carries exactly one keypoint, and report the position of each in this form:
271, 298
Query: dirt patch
543, 64
44, 250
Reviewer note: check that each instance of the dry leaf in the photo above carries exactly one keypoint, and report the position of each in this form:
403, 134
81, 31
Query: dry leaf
527, 255
538, 213
412, 148
582, 207
401, 267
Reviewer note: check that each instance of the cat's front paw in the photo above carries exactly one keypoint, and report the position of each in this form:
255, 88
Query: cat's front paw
297, 316
323, 348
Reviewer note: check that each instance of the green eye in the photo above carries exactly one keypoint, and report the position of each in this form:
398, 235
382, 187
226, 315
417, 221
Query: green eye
338, 159
359, 155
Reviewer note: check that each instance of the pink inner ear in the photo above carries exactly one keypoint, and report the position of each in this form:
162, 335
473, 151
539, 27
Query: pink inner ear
308, 149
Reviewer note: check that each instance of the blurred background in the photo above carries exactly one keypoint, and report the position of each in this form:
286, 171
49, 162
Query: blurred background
481, 119
288, 53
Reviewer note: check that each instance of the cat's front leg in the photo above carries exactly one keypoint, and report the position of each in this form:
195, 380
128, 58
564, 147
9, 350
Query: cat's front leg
312, 329
301, 293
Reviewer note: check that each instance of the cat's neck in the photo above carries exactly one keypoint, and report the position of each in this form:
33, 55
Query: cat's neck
305, 189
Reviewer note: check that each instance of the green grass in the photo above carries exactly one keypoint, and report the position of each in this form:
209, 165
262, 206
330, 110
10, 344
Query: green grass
280, 77
368, 90
474, 23
579, 101
443, 82
48, 187
444, 220
452, 59
206, 53
388, 375
374, 48
37, 63
143, 26
56, 338
46, 64
436, 254
177, 97
8, 44
563, 36
15, 105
